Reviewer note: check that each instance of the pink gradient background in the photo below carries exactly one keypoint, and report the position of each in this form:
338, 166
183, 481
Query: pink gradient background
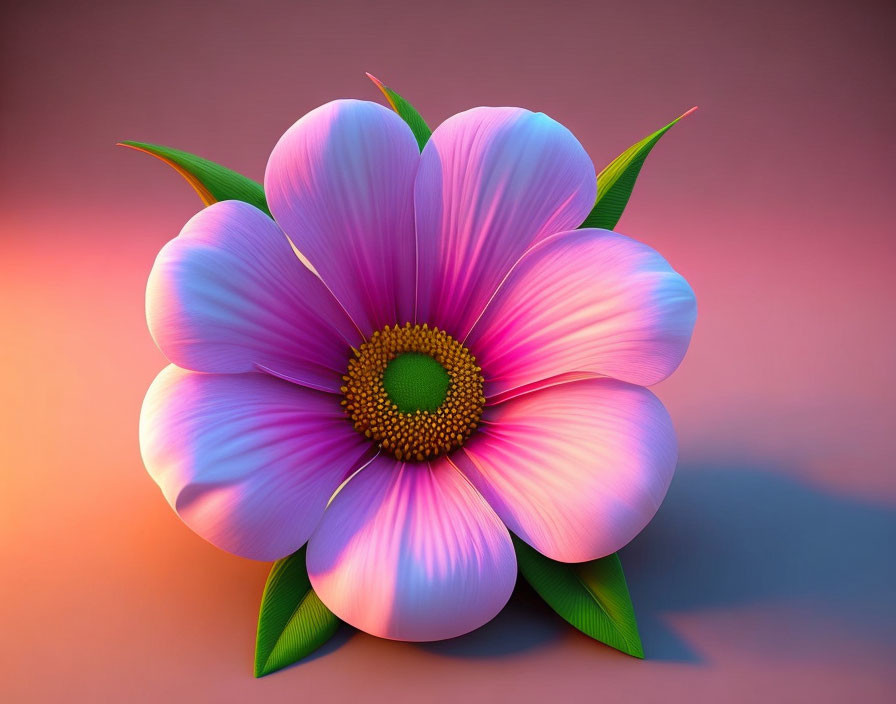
768, 573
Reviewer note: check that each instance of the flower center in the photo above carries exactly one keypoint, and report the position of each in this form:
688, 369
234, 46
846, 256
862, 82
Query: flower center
414, 390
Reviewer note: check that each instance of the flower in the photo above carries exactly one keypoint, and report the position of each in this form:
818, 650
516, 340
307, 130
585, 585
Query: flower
417, 353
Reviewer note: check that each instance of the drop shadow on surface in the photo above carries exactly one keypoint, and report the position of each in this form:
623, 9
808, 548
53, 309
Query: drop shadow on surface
730, 536
526, 623
725, 536
740, 536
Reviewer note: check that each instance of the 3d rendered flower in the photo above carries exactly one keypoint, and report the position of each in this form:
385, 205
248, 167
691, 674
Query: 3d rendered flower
418, 355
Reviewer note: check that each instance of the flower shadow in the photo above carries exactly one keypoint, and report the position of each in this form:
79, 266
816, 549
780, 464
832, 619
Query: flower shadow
730, 536
526, 623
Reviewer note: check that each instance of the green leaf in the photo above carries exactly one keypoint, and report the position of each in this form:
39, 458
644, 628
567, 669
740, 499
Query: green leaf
406, 111
592, 596
292, 622
211, 181
616, 181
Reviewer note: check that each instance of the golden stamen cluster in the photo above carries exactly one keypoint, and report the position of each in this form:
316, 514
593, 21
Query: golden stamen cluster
422, 434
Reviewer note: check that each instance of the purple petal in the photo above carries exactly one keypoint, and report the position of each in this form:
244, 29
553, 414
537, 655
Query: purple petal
340, 184
492, 182
229, 295
585, 301
576, 470
411, 552
248, 461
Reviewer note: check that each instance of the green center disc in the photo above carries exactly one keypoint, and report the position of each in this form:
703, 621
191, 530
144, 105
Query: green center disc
415, 382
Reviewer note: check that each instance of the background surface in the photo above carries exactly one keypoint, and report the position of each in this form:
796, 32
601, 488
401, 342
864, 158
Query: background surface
768, 573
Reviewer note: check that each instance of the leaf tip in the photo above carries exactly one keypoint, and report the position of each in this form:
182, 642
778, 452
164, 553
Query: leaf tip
693, 109
201, 189
262, 666
383, 89
636, 650
145, 148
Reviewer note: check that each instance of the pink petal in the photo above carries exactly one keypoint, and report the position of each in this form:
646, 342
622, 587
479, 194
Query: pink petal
229, 295
492, 182
340, 183
585, 301
248, 461
411, 552
576, 470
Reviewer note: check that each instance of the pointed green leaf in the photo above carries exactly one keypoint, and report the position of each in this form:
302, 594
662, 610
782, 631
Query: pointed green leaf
616, 181
592, 596
211, 181
292, 622
406, 111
